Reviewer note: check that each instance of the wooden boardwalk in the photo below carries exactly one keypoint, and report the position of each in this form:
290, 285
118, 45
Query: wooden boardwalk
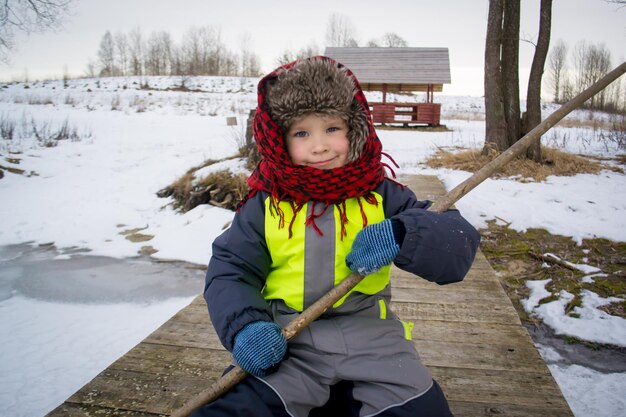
468, 334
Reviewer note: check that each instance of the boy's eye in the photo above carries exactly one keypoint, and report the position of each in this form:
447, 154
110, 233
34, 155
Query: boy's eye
301, 134
332, 129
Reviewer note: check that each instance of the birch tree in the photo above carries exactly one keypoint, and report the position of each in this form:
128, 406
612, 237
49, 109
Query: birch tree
340, 31
557, 69
106, 55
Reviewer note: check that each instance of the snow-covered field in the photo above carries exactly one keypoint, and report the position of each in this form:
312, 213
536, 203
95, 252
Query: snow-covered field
127, 143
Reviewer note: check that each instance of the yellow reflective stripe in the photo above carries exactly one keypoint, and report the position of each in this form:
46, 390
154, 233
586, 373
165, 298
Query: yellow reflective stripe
285, 280
408, 329
377, 281
383, 309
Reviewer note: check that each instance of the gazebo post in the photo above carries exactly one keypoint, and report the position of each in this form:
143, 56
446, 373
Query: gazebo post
384, 93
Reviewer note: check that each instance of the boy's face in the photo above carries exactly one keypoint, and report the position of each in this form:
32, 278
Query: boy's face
318, 141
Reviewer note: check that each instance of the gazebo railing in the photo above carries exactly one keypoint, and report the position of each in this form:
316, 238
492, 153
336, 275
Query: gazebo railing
406, 113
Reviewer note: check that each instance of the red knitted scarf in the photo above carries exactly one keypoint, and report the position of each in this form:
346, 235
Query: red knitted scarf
299, 184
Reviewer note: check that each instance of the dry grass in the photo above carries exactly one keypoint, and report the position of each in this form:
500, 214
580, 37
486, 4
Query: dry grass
555, 162
418, 128
588, 123
221, 188
465, 116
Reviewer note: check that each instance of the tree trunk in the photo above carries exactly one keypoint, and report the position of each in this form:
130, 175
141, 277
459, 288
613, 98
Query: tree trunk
533, 96
510, 70
495, 125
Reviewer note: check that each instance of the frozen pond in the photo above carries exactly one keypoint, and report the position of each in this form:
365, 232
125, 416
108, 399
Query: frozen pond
73, 276
66, 315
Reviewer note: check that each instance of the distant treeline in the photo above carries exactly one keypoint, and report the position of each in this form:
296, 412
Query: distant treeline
586, 65
200, 52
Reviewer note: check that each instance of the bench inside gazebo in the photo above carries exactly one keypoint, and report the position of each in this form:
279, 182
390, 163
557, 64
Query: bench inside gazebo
399, 70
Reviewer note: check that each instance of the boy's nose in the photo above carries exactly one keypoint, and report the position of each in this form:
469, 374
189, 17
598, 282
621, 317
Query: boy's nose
319, 144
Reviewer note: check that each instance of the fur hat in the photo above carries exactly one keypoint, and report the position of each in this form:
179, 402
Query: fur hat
318, 85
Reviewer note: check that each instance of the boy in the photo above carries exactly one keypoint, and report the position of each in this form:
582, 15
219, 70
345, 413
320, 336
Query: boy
319, 208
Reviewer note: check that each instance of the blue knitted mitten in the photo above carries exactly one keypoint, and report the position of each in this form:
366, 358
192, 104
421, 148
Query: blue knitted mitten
259, 347
374, 247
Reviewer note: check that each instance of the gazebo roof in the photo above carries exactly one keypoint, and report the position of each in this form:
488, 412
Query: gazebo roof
401, 69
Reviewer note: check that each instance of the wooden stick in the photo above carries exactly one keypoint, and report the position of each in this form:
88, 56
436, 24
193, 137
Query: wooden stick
236, 375
225, 383
548, 257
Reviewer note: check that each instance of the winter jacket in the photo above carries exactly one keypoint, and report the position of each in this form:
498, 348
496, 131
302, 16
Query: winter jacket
439, 247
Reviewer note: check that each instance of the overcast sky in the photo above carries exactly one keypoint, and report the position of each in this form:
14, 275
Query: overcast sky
274, 26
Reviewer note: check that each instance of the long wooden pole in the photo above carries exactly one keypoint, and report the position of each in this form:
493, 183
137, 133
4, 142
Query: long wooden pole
236, 375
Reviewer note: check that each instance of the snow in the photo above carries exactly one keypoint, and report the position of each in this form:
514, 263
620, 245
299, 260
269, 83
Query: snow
66, 345
591, 324
131, 142
588, 392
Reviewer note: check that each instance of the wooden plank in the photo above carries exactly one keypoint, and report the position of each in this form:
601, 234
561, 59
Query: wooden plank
495, 409
186, 334
466, 313
139, 391
512, 358
83, 410
490, 334
175, 361
504, 387
435, 295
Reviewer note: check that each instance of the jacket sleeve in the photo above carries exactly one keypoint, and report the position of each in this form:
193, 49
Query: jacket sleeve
439, 247
236, 274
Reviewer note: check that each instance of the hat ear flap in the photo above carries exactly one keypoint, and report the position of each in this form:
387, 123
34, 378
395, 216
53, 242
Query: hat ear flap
358, 130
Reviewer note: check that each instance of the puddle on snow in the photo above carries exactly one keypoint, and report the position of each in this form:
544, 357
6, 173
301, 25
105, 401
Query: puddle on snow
72, 275
606, 360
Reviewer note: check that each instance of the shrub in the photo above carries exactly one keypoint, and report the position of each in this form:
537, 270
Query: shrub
7, 127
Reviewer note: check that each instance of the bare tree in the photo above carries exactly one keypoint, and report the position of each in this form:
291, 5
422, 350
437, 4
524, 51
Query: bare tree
502, 108
91, 69
212, 39
250, 62
289, 55
591, 62
533, 94
177, 63
203, 51
557, 69
495, 125
106, 55
192, 51
286, 57
509, 65
229, 63
28, 16
135, 51
158, 51
393, 40
121, 53
310, 50
340, 31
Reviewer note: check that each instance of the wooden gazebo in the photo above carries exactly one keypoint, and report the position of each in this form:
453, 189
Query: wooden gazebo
399, 70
